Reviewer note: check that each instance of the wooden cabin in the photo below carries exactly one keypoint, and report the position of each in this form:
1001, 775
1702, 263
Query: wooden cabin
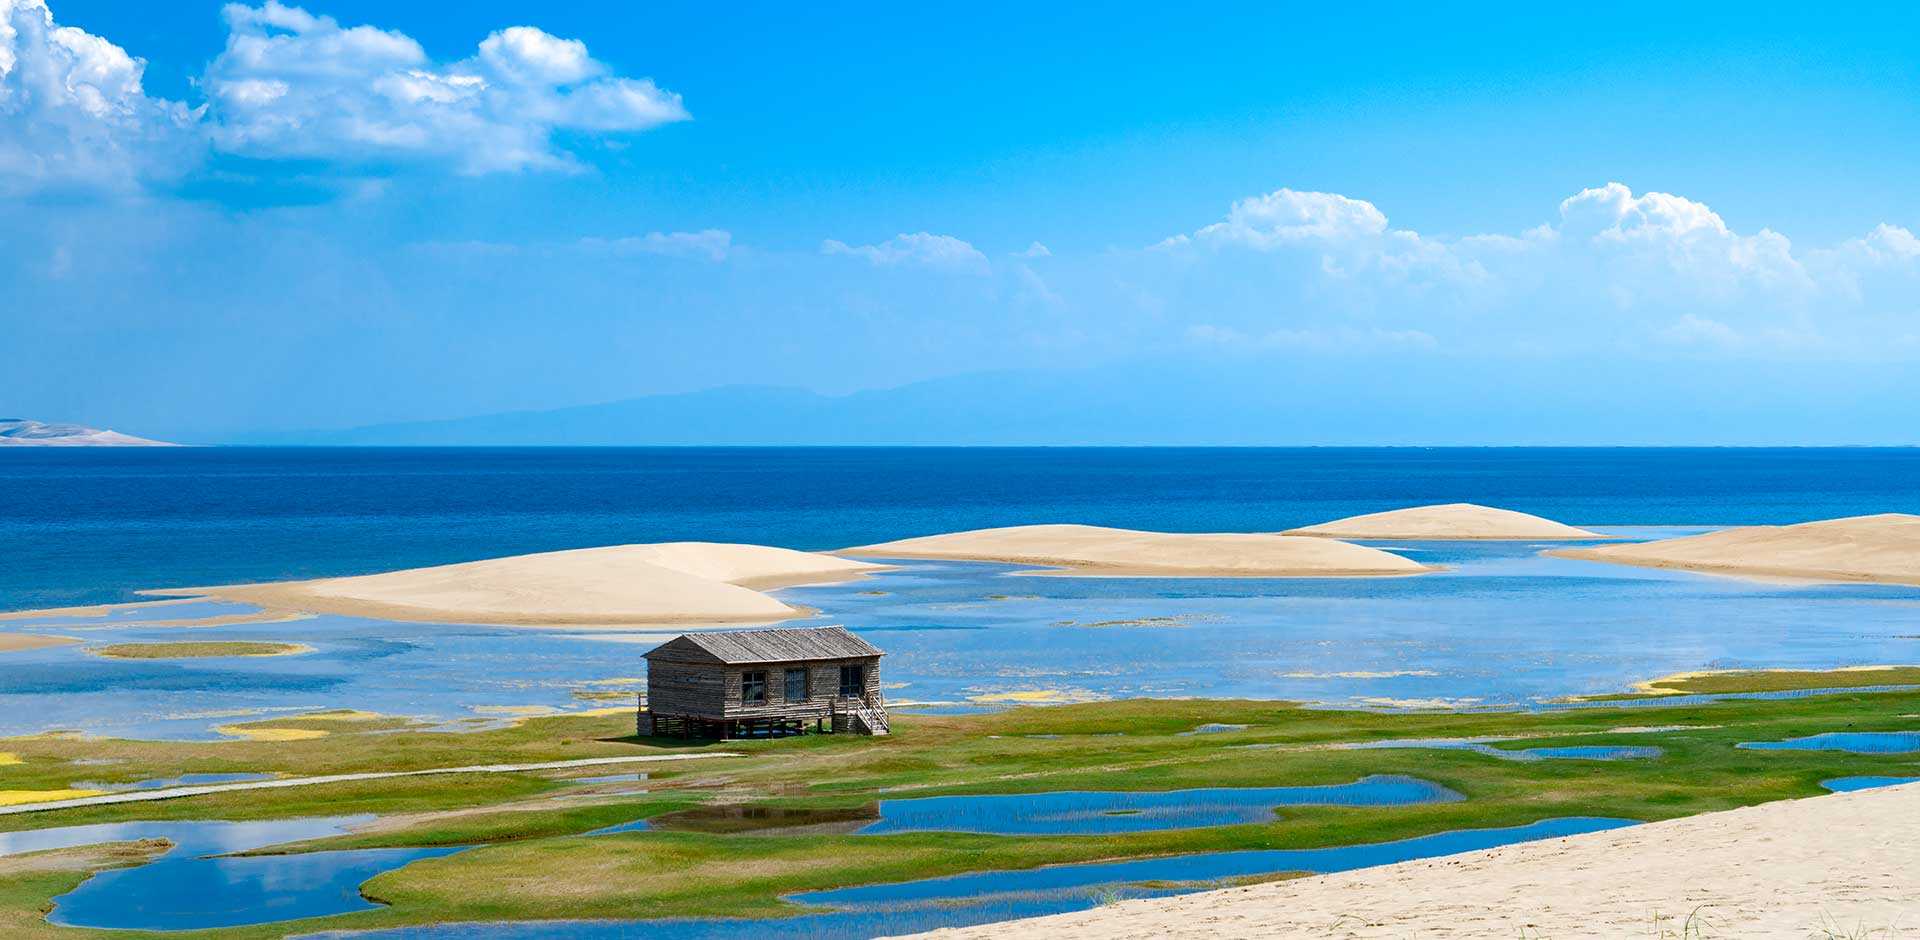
757, 683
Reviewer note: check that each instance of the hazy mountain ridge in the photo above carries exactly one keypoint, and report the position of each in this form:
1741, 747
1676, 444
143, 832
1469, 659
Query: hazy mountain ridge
1323, 401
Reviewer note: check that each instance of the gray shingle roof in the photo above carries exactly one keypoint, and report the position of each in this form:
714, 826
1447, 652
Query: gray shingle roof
766, 646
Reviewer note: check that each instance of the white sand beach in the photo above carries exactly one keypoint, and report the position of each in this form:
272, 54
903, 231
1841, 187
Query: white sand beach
1449, 521
1096, 550
620, 585
1882, 548
1845, 865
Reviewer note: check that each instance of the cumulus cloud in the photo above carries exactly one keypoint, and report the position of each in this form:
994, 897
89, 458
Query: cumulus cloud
1681, 236
1348, 238
920, 248
73, 112
1612, 269
294, 84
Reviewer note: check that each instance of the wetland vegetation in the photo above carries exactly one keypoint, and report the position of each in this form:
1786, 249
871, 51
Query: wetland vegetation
532, 858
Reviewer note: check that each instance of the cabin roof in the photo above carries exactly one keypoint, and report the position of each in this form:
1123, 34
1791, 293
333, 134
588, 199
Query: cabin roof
765, 646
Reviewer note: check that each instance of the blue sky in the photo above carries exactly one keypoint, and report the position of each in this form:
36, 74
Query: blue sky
272, 222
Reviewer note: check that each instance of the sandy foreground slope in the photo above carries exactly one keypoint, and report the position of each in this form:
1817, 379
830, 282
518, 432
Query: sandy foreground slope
1860, 548
1450, 521
1847, 863
1095, 550
673, 582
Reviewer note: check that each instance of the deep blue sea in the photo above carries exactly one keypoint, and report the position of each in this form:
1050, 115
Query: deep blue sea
94, 525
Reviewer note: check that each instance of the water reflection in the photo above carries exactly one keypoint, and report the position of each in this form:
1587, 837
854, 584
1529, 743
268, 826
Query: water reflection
1102, 812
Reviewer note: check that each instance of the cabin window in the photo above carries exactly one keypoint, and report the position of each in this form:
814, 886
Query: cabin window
753, 688
796, 685
853, 681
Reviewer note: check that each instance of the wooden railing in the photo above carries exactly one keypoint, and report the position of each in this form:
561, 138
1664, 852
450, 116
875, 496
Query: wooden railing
853, 714
873, 718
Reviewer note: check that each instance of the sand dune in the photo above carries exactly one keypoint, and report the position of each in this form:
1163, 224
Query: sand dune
695, 582
1450, 521
1882, 548
1829, 866
22, 642
1094, 550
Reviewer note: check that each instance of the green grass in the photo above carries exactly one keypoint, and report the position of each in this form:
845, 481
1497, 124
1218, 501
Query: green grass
1784, 680
205, 649
534, 862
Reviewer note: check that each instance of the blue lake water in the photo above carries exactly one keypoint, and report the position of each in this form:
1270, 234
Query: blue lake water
907, 907
1858, 742
1851, 784
1103, 812
1501, 626
190, 887
161, 783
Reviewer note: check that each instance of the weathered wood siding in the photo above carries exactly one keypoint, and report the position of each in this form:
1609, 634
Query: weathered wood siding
686, 689
716, 691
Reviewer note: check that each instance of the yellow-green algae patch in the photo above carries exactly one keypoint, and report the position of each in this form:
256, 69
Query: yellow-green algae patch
208, 649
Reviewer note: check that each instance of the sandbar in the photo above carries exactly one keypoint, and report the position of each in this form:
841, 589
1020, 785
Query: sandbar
22, 642
1452, 521
1085, 550
1827, 866
1881, 548
613, 586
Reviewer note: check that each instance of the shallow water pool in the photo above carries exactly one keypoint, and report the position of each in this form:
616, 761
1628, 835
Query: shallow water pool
1857, 742
1851, 784
191, 887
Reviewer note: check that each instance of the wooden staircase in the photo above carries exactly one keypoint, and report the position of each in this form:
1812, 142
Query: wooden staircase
866, 719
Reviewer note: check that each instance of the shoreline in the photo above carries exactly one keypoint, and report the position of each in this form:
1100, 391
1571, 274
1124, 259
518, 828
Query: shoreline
1057, 568
1782, 574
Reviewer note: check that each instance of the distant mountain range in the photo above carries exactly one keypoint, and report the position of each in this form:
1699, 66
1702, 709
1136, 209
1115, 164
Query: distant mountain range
25, 432
1325, 401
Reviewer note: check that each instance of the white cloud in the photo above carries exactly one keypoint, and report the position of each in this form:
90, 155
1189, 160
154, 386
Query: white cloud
1288, 217
1035, 250
1886, 244
73, 112
1680, 235
708, 244
291, 84
919, 248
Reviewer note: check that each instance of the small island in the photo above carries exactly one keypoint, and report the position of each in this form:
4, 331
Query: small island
26, 432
